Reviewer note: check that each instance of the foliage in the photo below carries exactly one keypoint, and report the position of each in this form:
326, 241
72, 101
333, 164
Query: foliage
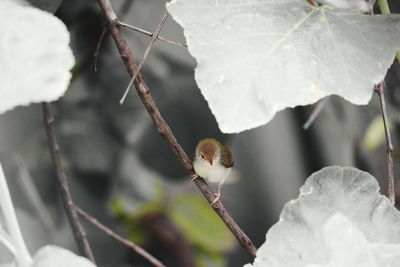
47, 256
192, 217
35, 56
339, 219
255, 58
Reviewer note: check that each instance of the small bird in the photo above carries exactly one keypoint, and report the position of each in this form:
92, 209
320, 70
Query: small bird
213, 161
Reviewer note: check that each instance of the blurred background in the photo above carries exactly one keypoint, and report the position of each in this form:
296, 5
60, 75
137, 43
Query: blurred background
123, 173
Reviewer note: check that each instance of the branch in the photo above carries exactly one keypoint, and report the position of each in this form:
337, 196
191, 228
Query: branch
389, 147
163, 128
119, 238
315, 113
124, 10
69, 206
146, 53
140, 30
98, 46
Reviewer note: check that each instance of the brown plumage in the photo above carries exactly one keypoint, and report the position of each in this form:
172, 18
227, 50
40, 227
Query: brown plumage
209, 146
212, 161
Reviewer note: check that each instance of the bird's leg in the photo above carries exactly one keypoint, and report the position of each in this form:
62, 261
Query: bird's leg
218, 194
194, 176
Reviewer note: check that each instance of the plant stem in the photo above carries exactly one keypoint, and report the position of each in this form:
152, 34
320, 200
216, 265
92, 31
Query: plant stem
146, 53
69, 206
139, 30
23, 258
119, 238
389, 147
164, 129
384, 6
385, 9
98, 47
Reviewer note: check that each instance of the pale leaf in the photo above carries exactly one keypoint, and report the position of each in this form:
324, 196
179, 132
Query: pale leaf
257, 57
35, 56
50, 256
339, 219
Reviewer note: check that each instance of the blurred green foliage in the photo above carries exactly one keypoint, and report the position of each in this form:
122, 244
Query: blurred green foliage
375, 134
192, 217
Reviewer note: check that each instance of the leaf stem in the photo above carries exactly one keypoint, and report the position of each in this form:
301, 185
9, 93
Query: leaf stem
384, 6
164, 129
385, 9
146, 53
389, 147
23, 257
140, 30
6, 241
69, 205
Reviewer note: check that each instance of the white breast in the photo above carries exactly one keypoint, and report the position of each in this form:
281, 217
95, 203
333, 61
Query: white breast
214, 173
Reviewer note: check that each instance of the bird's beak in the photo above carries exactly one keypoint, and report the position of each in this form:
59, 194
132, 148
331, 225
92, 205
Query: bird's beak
211, 161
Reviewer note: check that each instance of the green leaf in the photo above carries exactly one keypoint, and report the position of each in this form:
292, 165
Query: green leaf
156, 205
117, 206
205, 259
193, 216
375, 134
138, 234
131, 219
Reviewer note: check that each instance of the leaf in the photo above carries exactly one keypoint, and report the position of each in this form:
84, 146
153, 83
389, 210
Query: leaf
132, 219
337, 208
13, 238
375, 134
257, 57
349, 247
356, 4
48, 5
204, 259
50, 256
35, 56
199, 224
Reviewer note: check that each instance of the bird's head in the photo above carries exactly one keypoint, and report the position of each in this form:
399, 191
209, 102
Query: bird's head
208, 150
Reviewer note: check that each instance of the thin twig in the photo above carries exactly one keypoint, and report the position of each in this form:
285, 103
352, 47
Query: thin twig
124, 10
140, 30
90, 219
70, 208
389, 147
30, 191
98, 46
315, 114
164, 129
146, 53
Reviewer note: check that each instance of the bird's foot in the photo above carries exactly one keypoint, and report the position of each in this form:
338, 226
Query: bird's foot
194, 176
216, 198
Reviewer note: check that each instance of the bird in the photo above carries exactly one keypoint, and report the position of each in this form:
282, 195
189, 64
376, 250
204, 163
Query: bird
213, 161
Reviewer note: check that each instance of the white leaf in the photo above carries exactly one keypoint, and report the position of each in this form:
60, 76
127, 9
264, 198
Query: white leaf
257, 57
356, 4
51, 256
35, 56
13, 240
339, 220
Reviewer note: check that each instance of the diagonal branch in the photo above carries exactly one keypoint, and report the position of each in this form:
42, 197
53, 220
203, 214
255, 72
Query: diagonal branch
119, 238
140, 30
163, 128
69, 205
389, 147
146, 53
